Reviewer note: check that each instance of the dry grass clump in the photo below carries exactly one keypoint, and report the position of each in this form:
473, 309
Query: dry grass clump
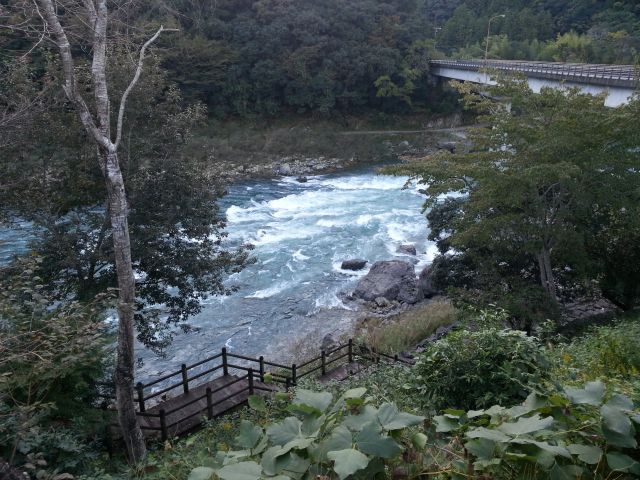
403, 331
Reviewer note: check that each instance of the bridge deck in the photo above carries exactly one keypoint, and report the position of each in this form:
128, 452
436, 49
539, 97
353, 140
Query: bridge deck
597, 74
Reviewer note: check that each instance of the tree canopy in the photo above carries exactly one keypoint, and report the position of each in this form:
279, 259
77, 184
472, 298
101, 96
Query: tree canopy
545, 187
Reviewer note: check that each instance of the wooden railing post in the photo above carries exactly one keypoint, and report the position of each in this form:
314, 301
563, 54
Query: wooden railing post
350, 350
225, 367
395, 358
140, 390
323, 358
294, 374
209, 404
261, 368
163, 425
250, 378
185, 378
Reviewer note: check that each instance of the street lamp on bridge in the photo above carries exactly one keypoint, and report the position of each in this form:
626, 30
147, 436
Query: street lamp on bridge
486, 51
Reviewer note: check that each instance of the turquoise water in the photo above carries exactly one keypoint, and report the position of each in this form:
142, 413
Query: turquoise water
301, 232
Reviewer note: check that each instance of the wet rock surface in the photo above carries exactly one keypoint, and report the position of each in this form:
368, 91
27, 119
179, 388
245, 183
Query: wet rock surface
392, 280
354, 264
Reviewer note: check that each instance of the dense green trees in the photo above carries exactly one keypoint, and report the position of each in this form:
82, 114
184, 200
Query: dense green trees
551, 195
573, 31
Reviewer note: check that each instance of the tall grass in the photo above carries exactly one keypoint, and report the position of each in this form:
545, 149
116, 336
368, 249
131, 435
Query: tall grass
405, 330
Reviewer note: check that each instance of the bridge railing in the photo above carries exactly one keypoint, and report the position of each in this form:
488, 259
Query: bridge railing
625, 75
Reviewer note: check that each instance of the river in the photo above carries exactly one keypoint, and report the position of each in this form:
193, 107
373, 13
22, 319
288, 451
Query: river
301, 233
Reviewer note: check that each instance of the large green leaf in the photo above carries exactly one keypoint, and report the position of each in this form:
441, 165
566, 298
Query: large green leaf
616, 420
493, 435
319, 401
370, 441
295, 466
354, 393
623, 463
617, 427
589, 454
554, 449
391, 419
249, 435
257, 403
273, 460
592, 394
201, 473
241, 471
621, 401
445, 424
348, 462
285, 431
339, 439
481, 448
526, 425
366, 415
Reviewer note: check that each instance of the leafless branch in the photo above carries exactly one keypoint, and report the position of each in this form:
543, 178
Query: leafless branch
134, 81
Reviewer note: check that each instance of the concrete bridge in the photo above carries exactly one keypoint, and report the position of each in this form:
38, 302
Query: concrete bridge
619, 82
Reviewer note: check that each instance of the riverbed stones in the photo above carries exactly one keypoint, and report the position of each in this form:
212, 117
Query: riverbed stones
393, 280
353, 264
407, 249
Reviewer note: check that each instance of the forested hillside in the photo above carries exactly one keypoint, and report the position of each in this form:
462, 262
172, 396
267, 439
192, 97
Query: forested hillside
246, 57
266, 57
564, 30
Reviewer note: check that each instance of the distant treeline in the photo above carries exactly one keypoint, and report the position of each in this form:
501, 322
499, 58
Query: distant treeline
263, 57
328, 57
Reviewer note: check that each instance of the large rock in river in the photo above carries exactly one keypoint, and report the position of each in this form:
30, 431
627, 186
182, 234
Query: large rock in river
393, 280
353, 264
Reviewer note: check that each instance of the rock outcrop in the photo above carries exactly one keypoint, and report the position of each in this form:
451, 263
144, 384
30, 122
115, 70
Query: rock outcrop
392, 280
407, 249
425, 283
354, 264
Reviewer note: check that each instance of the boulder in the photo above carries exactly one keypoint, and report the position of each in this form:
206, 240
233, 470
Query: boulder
302, 179
425, 283
449, 146
285, 169
407, 249
393, 280
328, 343
354, 264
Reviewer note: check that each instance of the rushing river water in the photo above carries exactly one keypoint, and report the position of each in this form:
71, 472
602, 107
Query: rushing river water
301, 232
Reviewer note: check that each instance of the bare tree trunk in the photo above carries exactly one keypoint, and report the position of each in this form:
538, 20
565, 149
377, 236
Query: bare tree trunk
98, 126
123, 378
546, 273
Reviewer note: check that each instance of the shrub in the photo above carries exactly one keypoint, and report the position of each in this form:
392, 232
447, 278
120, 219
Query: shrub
479, 369
575, 433
51, 354
345, 438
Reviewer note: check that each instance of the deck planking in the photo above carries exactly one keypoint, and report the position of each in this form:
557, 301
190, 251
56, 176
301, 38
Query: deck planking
188, 416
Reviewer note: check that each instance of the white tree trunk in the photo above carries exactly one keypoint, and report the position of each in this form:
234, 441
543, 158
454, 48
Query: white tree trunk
99, 128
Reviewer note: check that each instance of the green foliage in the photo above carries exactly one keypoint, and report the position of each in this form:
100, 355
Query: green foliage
575, 433
347, 437
607, 351
478, 369
564, 30
51, 355
545, 186
175, 224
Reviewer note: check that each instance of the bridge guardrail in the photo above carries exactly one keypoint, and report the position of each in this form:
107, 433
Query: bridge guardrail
613, 75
